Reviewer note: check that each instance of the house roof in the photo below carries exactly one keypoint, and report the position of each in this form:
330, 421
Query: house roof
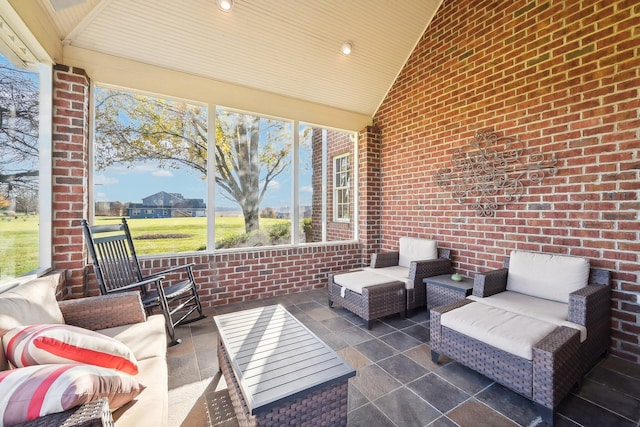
289, 48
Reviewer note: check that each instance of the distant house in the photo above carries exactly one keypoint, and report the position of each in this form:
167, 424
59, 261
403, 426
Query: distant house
167, 205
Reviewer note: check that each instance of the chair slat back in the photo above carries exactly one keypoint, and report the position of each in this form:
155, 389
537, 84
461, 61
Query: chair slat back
114, 258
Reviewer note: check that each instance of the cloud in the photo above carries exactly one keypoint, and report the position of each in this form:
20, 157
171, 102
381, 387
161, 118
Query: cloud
274, 185
306, 189
104, 180
162, 172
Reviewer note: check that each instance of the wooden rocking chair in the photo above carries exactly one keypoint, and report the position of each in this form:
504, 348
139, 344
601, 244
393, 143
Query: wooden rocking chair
117, 269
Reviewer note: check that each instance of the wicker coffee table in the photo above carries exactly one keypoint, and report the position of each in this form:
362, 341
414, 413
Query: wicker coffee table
442, 290
278, 372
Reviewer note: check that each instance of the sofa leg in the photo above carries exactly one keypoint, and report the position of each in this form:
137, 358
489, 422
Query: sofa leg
330, 303
545, 413
369, 324
174, 342
435, 356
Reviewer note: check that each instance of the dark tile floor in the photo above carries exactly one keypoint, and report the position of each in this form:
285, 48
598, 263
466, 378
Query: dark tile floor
396, 382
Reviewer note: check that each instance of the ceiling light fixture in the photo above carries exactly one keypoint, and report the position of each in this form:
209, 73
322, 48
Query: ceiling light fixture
346, 48
225, 5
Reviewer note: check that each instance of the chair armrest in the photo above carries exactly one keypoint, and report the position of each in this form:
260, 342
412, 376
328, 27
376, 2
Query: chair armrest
434, 322
386, 259
92, 414
490, 283
418, 270
105, 311
590, 305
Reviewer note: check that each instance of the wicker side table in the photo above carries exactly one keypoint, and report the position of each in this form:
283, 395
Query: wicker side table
441, 290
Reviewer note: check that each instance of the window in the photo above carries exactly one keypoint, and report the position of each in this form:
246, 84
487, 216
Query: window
25, 153
150, 164
326, 207
341, 183
254, 180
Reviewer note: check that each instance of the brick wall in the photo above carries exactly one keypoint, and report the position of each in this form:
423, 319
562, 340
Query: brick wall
70, 173
562, 76
369, 187
230, 277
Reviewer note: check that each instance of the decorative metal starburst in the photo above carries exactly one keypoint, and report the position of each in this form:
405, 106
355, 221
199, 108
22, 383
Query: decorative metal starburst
490, 171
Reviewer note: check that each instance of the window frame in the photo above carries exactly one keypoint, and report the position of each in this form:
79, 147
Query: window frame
338, 190
296, 213
29, 53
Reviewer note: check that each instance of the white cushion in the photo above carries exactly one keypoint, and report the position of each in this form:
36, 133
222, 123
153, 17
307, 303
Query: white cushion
505, 330
393, 273
539, 308
547, 276
416, 249
357, 280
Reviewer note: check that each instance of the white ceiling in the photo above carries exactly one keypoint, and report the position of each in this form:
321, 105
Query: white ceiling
290, 48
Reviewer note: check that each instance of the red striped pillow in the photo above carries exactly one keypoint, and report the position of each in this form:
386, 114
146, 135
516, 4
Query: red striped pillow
54, 343
35, 391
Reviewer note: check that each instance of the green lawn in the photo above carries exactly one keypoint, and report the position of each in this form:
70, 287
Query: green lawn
18, 245
19, 237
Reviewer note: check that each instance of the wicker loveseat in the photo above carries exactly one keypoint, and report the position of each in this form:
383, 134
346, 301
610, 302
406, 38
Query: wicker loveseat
536, 326
393, 281
118, 316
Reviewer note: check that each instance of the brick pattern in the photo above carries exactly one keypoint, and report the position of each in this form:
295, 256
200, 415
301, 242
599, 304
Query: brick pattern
369, 187
70, 173
564, 77
230, 277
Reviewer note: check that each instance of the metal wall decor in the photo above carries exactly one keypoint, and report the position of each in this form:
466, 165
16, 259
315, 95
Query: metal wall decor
490, 171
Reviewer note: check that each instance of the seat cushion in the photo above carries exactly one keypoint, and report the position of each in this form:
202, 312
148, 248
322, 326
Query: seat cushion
552, 277
550, 311
505, 330
145, 339
394, 273
151, 407
357, 280
416, 249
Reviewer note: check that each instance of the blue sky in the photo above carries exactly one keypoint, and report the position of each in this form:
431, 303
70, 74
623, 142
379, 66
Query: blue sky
143, 179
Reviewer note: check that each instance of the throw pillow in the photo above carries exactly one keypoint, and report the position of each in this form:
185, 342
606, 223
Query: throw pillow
52, 343
35, 391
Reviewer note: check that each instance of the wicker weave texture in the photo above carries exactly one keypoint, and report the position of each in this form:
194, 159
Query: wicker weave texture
556, 368
375, 301
106, 311
95, 414
442, 295
324, 407
505, 368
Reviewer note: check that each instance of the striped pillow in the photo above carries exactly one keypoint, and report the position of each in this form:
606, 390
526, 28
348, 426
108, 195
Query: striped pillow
35, 391
59, 343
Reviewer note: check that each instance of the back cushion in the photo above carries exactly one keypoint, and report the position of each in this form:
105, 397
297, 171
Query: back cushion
415, 249
28, 304
552, 277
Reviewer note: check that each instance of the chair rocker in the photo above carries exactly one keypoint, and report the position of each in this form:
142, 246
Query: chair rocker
117, 269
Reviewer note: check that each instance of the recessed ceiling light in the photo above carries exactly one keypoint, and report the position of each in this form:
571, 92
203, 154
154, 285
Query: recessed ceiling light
225, 5
346, 48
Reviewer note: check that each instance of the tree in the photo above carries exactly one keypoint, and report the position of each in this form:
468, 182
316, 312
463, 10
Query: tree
19, 111
250, 151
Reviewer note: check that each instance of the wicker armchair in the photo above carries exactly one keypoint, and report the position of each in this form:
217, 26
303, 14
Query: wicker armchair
417, 296
559, 360
394, 281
